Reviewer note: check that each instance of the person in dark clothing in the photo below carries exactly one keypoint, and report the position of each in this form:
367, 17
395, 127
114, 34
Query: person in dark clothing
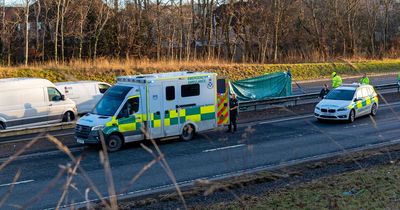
324, 91
233, 113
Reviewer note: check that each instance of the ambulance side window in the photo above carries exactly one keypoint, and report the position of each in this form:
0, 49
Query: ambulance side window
190, 90
131, 107
170, 93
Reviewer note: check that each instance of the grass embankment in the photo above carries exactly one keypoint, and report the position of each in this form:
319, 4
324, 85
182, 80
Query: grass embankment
105, 70
374, 188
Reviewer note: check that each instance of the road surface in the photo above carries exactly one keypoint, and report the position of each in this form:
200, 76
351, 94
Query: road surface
211, 155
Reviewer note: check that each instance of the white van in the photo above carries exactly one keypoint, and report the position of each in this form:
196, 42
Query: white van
84, 93
31, 101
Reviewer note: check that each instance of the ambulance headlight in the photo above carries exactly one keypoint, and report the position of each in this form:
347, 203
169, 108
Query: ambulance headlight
97, 128
342, 109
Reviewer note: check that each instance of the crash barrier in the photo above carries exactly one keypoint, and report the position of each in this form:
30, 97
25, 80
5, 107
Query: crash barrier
244, 106
295, 99
36, 129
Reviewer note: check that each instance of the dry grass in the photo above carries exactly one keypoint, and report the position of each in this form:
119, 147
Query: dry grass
106, 69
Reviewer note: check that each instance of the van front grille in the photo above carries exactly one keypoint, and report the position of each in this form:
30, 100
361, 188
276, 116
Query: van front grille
82, 131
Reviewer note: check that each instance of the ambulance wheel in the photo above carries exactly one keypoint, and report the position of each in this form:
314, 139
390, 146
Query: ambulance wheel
68, 117
374, 109
352, 116
114, 143
187, 132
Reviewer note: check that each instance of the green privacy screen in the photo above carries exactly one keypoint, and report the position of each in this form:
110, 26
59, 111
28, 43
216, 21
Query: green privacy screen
267, 86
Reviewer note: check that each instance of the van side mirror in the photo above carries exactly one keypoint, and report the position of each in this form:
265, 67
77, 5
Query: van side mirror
62, 98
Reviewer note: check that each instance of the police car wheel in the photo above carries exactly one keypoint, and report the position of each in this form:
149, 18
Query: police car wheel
352, 116
374, 109
114, 143
187, 132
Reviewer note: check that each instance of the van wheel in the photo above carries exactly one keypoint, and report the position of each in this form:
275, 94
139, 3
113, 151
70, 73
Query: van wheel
352, 116
68, 117
187, 132
114, 143
374, 109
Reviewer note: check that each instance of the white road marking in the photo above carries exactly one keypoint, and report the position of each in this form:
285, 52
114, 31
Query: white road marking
223, 148
16, 183
286, 119
28, 139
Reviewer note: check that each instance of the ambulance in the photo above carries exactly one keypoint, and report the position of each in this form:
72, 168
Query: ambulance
156, 106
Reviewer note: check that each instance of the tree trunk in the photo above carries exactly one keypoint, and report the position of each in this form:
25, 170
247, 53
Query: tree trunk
56, 32
26, 32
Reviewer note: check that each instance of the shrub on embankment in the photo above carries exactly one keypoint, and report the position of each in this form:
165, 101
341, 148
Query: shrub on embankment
104, 70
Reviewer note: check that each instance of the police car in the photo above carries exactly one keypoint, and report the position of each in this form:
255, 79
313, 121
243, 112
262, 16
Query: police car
348, 102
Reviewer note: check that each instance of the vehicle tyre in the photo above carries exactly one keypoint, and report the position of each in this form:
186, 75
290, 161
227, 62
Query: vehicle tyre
68, 117
188, 132
2, 126
114, 143
374, 109
352, 116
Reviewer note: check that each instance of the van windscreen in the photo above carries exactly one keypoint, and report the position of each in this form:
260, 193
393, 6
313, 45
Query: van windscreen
111, 101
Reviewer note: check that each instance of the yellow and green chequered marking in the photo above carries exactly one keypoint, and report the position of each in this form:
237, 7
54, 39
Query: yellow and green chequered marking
134, 122
363, 103
194, 114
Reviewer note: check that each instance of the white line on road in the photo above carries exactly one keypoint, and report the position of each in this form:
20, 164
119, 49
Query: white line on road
16, 183
28, 139
222, 148
286, 119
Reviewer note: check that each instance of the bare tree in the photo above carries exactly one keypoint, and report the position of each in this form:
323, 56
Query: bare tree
27, 28
103, 15
56, 31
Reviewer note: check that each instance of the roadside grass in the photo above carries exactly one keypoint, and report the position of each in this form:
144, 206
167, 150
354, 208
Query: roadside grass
373, 188
106, 70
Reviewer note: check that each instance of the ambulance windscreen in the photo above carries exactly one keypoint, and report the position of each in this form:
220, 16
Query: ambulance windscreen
111, 101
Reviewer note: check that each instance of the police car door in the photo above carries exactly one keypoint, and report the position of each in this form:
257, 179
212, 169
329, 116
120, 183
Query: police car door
171, 118
366, 103
155, 110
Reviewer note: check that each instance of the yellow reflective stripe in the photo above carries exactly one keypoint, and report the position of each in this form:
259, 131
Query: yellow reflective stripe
194, 118
135, 96
167, 122
182, 112
207, 109
359, 104
157, 123
173, 113
368, 101
112, 121
127, 127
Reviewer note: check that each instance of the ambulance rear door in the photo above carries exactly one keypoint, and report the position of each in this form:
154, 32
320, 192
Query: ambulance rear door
222, 101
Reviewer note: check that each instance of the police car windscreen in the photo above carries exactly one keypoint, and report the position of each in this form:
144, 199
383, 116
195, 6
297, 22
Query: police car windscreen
111, 101
337, 94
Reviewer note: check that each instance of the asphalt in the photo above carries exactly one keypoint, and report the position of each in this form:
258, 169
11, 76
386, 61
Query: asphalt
211, 155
